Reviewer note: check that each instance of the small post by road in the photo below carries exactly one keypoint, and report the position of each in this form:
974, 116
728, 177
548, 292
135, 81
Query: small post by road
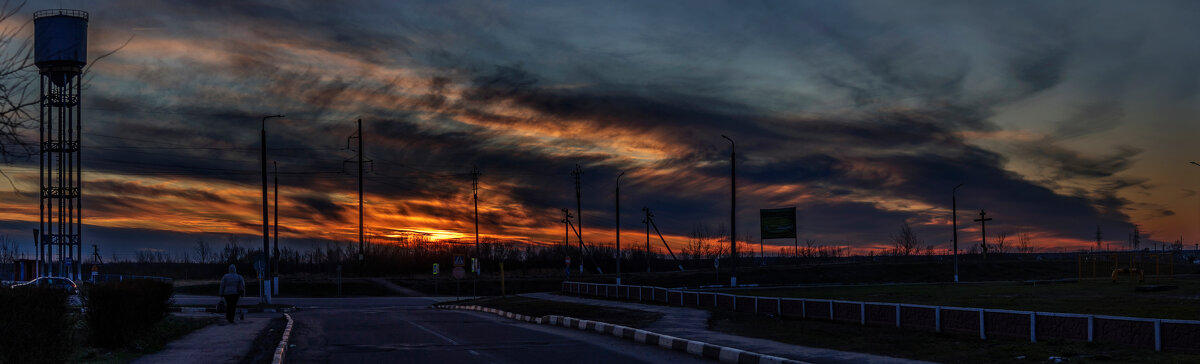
339, 275
502, 294
717, 269
435, 279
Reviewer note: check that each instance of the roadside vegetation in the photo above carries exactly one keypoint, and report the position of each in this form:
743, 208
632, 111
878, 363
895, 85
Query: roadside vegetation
122, 321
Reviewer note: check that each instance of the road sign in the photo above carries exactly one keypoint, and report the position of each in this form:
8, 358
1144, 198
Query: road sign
435, 269
459, 273
459, 261
568, 261
716, 262
259, 265
68, 261
474, 265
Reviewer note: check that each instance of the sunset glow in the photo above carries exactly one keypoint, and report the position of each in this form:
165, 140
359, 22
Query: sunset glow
861, 139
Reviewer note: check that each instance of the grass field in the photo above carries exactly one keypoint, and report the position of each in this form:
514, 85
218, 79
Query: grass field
536, 307
1098, 297
169, 329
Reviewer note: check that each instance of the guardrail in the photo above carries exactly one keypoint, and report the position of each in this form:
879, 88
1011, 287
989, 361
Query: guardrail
1148, 333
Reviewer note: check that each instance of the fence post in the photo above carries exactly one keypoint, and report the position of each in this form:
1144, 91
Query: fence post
803, 308
1157, 335
1033, 327
1091, 326
937, 319
862, 313
830, 310
755, 304
778, 306
897, 315
982, 330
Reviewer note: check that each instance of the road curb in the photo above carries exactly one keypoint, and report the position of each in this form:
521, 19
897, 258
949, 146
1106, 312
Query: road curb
518, 317
283, 342
723, 354
247, 310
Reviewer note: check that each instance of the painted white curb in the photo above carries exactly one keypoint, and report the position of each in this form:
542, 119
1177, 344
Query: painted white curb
697, 348
283, 342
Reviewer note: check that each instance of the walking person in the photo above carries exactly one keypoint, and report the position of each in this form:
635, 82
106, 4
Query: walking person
232, 287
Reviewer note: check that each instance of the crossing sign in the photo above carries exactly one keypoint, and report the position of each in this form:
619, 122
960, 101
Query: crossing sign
459, 261
435, 269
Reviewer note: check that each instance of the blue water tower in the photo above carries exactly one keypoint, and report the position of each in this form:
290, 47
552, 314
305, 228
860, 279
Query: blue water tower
60, 43
60, 52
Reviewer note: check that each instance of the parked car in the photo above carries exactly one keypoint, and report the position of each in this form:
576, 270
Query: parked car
57, 282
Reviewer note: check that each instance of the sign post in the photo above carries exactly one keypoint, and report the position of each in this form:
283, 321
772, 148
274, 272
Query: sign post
568, 267
435, 278
475, 281
459, 273
259, 267
717, 269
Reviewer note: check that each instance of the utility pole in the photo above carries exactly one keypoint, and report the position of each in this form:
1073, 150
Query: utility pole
361, 252
275, 265
266, 221
954, 219
578, 172
618, 222
733, 212
96, 254
566, 231
983, 219
566, 220
475, 195
647, 222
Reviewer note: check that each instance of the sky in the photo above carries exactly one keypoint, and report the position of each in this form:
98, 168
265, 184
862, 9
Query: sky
1058, 117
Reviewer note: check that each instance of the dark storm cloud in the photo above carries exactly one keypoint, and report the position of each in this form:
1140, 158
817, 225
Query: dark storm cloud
321, 206
904, 83
142, 191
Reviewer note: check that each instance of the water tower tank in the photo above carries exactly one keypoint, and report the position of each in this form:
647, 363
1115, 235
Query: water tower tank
60, 40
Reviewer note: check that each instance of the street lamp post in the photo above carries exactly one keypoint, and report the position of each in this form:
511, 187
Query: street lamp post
1198, 165
275, 251
265, 221
732, 212
954, 218
618, 214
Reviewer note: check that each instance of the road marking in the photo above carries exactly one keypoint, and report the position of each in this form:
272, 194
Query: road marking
433, 332
473, 352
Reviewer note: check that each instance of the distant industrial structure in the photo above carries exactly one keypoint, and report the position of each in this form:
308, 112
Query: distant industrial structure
60, 53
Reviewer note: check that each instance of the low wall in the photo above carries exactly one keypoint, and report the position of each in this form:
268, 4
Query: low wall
1158, 334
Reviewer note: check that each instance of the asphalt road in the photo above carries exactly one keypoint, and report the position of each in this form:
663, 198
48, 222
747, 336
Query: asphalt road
370, 330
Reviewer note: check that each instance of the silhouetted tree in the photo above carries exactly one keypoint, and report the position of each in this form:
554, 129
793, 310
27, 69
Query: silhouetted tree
906, 243
18, 86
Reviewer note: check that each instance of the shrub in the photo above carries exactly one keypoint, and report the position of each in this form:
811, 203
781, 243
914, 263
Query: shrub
118, 312
34, 325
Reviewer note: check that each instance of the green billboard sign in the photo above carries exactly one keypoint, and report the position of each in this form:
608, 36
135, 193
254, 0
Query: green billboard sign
778, 223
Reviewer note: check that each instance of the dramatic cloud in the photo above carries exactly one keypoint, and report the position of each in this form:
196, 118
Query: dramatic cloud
863, 114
